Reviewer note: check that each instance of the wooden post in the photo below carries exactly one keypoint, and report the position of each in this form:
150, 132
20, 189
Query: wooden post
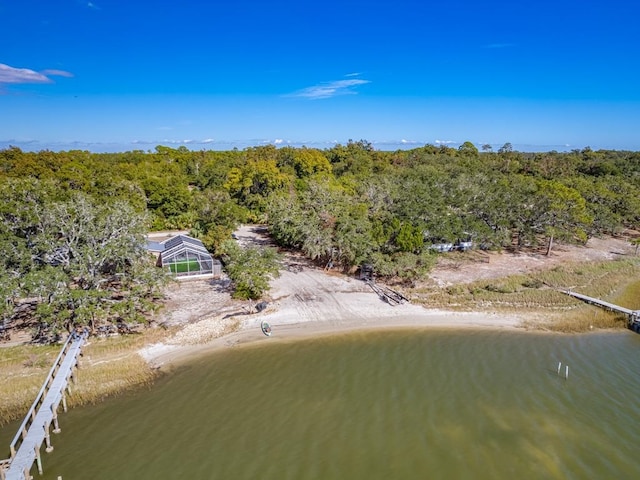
54, 411
38, 460
47, 439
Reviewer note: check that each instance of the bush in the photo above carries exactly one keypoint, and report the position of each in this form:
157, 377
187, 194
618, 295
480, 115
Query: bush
250, 269
532, 283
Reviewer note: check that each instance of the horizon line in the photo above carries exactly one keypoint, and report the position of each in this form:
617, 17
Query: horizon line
221, 145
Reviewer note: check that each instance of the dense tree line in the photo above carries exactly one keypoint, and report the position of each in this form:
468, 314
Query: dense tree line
77, 218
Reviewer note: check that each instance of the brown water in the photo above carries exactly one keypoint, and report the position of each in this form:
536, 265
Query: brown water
406, 404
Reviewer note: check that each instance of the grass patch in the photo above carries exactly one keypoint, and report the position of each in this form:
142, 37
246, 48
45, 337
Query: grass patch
108, 366
22, 372
581, 319
613, 281
629, 297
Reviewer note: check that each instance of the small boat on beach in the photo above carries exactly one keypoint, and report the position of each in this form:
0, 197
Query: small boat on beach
266, 328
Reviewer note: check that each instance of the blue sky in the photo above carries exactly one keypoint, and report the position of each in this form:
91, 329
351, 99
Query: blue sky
116, 75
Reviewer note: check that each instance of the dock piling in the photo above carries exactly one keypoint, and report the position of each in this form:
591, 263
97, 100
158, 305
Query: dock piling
39, 460
47, 439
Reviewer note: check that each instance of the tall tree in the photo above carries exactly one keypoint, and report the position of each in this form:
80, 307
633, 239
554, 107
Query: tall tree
77, 258
563, 213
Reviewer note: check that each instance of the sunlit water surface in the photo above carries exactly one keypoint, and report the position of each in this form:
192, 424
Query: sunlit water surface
401, 404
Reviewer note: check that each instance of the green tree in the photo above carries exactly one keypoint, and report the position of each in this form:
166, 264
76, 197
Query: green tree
304, 161
563, 213
216, 216
506, 148
79, 259
252, 182
250, 269
356, 158
410, 238
468, 149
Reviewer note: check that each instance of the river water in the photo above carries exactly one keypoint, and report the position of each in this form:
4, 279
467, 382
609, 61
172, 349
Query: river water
399, 404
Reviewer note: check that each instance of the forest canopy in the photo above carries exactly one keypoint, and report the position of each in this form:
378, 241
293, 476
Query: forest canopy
73, 222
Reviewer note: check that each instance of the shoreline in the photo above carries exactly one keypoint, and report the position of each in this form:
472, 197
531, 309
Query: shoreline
174, 352
308, 302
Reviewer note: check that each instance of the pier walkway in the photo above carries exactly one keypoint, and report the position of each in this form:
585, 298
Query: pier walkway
632, 315
35, 429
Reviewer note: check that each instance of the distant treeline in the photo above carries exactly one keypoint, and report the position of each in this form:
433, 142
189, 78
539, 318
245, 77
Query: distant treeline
350, 204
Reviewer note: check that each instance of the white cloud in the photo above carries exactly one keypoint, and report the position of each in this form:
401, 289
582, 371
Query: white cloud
278, 141
14, 75
21, 75
59, 73
330, 89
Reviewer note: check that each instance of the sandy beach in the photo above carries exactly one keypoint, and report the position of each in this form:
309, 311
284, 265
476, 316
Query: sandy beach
306, 301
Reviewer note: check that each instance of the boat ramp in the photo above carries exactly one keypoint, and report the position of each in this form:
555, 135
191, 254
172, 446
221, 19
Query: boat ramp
390, 296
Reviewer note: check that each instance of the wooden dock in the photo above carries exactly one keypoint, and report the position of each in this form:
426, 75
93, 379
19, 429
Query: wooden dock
35, 429
633, 316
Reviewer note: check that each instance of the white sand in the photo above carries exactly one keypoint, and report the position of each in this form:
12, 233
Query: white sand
307, 303
313, 302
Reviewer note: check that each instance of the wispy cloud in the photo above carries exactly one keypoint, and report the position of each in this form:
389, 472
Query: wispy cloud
59, 73
331, 89
14, 75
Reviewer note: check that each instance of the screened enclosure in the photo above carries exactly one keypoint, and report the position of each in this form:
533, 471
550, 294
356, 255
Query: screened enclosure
186, 256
